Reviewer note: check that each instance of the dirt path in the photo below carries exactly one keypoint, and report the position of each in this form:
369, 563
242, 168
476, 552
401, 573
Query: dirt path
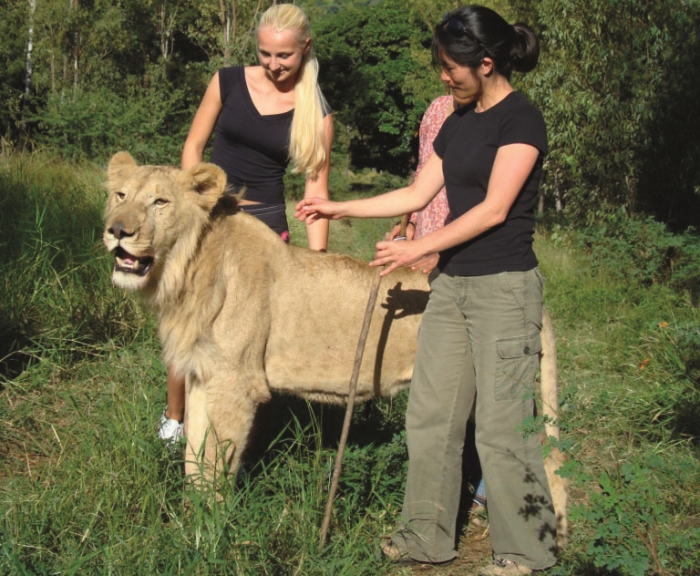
474, 553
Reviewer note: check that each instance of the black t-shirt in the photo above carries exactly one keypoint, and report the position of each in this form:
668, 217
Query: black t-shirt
251, 148
467, 145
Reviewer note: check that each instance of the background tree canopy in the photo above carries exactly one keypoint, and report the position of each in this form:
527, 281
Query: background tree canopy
376, 75
617, 88
615, 83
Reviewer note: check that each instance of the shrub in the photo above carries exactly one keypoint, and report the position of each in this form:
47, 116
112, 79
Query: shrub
96, 123
643, 250
635, 524
614, 88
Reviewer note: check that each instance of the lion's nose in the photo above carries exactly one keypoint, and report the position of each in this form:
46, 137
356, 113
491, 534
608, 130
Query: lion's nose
117, 230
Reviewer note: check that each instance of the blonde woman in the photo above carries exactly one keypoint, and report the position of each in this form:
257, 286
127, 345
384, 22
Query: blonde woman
263, 117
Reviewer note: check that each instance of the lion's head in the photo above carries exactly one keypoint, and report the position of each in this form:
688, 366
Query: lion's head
149, 209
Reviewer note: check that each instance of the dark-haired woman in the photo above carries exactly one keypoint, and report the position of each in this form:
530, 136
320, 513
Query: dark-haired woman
480, 335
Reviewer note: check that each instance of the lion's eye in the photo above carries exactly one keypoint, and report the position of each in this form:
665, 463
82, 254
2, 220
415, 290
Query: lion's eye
121, 195
161, 202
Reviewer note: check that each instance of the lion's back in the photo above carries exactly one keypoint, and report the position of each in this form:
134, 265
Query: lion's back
316, 319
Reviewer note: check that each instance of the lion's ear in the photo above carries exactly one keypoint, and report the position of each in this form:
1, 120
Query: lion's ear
119, 169
208, 181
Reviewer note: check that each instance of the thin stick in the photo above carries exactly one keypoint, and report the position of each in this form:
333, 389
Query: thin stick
404, 224
351, 404
374, 290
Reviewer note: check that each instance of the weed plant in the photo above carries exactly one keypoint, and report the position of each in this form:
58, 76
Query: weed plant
85, 487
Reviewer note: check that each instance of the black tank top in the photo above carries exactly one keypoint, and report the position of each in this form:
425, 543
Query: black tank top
251, 148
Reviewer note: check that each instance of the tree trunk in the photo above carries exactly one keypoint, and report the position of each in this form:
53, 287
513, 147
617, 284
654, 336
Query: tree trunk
166, 26
52, 65
226, 29
557, 198
76, 40
28, 65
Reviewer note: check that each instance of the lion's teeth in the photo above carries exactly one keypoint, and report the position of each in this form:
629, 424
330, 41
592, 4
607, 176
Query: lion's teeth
132, 263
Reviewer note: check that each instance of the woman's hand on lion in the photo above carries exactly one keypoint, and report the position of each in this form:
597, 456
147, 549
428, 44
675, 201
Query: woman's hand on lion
311, 209
409, 253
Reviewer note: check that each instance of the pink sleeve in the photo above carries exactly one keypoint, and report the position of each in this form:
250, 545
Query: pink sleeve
436, 214
429, 127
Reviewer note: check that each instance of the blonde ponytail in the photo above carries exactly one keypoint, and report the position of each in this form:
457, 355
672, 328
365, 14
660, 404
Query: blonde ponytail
307, 141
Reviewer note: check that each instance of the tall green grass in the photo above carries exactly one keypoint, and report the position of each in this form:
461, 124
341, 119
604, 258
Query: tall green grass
85, 486
56, 296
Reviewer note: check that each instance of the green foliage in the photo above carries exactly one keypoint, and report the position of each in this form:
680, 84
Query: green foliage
628, 392
613, 83
97, 123
356, 236
130, 516
57, 297
224, 29
672, 347
376, 86
644, 250
430, 12
614, 87
79, 45
12, 53
635, 521
344, 183
105, 76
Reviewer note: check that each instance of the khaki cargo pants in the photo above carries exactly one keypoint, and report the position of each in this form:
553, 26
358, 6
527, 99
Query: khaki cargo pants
478, 341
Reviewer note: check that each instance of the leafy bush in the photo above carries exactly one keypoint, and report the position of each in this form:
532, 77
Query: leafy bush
643, 250
375, 74
672, 361
97, 123
635, 525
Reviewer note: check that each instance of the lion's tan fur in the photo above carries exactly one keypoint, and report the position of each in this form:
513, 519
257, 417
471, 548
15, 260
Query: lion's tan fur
242, 315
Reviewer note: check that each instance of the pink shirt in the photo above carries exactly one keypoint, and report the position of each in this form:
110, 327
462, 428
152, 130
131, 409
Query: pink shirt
436, 214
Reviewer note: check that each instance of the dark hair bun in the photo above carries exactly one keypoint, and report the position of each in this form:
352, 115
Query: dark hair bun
526, 48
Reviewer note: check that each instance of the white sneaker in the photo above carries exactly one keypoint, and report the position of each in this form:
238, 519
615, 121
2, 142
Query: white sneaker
170, 431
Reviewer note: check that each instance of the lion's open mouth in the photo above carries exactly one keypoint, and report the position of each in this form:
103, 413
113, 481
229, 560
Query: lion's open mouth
130, 264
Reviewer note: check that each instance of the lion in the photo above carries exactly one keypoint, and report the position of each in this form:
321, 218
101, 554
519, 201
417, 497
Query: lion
242, 315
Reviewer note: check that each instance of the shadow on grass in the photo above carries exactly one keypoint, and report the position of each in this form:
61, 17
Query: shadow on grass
376, 446
687, 423
13, 356
273, 420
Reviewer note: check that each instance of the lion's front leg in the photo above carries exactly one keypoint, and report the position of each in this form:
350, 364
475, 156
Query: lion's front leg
218, 420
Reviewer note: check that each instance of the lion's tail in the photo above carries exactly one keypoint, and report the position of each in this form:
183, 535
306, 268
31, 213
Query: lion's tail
550, 408
549, 378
